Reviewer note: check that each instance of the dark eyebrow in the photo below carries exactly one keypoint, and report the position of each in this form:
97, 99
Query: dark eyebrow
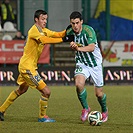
75, 23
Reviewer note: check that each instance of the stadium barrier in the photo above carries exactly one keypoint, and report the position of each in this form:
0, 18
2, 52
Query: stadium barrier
11, 51
65, 75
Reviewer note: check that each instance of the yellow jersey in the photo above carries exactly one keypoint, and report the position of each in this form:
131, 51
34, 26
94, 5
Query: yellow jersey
35, 42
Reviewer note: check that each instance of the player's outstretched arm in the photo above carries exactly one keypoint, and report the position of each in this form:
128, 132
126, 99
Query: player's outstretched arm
50, 40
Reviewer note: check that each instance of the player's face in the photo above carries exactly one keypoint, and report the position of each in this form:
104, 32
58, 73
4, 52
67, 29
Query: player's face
76, 25
42, 21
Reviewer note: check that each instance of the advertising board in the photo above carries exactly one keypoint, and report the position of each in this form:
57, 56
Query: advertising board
11, 52
65, 75
117, 53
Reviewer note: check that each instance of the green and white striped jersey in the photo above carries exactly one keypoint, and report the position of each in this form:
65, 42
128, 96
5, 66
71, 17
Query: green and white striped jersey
86, 37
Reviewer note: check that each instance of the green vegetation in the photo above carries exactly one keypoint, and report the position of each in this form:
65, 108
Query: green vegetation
64, 106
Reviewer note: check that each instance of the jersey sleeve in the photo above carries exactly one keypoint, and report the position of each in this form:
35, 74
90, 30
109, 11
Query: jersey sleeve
45, 36
91, 35
54, 34
50, 40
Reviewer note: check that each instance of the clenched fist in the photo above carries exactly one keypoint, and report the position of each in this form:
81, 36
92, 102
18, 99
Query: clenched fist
74, 46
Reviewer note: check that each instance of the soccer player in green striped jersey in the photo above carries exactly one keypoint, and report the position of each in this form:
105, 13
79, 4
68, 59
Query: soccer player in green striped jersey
88, 60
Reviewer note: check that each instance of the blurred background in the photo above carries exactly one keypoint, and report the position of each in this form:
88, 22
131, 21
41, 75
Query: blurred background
112, 21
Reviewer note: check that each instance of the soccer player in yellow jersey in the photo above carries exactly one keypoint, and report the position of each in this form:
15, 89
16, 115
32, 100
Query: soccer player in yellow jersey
38, 36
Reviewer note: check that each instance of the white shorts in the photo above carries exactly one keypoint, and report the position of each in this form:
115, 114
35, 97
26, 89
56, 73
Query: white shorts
94, 73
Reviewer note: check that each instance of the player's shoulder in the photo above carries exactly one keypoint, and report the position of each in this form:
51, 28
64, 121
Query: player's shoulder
35, 30
86, 27
32, 29
69, 31
46, 30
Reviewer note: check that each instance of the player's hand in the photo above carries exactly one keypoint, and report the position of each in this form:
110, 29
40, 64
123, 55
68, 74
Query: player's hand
68, 38
74, 46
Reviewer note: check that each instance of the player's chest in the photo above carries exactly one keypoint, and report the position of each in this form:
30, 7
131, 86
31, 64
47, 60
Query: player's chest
82, 38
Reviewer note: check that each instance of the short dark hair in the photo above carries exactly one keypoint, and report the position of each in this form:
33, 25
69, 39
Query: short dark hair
38, 13
75, 15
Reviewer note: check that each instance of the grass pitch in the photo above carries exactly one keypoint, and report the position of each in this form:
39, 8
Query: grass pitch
21, 116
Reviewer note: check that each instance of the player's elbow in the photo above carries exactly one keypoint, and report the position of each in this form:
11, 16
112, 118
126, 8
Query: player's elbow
91, 48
